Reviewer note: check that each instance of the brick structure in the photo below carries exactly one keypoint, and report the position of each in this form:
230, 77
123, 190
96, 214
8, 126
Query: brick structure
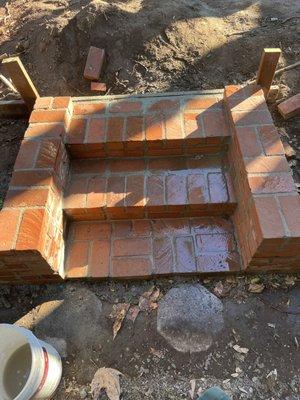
149, 185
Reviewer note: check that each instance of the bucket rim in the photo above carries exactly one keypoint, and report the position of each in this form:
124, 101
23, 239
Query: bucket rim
36, 354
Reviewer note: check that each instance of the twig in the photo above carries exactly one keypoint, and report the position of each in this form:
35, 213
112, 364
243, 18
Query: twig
287, 68
8, 83
289, 18
278, 308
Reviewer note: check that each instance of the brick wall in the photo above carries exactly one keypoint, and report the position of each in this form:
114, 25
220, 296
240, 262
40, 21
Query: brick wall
267, 219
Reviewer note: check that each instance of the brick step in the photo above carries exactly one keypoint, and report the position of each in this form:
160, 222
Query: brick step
148, 126
150, 187
142, 248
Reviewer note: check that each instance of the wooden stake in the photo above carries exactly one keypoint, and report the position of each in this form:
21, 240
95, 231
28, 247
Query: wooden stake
267, 67
21, 80
13, 109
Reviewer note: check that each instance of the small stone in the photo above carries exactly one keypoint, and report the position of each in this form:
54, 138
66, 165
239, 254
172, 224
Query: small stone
83, 393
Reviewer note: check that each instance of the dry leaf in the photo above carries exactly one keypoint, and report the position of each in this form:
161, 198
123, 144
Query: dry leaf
221, 290
290, 280
239, 349
256, 287
119, 313
193, 388
108, 379
148, 300
132, 313
157, 353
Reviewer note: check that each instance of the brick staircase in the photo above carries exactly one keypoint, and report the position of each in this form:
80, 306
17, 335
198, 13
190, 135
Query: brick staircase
150, 185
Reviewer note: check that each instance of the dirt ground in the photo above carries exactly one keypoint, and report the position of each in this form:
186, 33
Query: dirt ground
155, 46
268, 324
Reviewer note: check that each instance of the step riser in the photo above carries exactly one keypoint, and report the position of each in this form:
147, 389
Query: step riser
221, 209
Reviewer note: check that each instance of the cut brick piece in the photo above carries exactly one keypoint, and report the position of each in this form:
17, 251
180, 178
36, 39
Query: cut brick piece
270, 140
269, 220
98, 87
100, 259
30, 231
290, 206
290, 107
94, 63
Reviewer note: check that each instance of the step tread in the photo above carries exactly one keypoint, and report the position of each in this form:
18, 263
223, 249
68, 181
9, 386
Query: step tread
141, 248
120, 187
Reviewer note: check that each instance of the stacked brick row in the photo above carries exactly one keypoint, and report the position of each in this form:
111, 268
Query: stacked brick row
267, 219
31, 221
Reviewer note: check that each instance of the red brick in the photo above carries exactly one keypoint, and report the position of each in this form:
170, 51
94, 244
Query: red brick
27, 154
91, 230
270, 140
185, 255
26, 198
176, 189
163, 256
43, 116
125, 106
88, 166
135, 195
100, 259
193, 126
115, 129
217, 188
244, 118
201, 103
290, 206
126, 165
131, 247
77, 259
173, 127
131, 267
76, 131
43, 102
269, 219
155, 191
248, 143
154, 128
116, 191
75, 196
218, 262
216, 242
250, 104
165, 105
47, 154
134, 129
94, 63
44, 131
98, 87
9, 223
96, 192
61, 102
267, 164
96, 131
197, 189
167, 164
290, 107
31, 178
272, 183
215, 123
89, 108
29, 236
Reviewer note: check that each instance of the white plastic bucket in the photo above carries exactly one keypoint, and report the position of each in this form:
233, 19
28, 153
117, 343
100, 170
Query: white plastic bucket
44, 365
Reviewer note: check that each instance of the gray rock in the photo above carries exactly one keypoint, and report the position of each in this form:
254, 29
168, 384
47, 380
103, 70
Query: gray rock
59, 344
189, 317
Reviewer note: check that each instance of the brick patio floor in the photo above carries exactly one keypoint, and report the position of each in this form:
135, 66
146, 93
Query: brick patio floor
133, 186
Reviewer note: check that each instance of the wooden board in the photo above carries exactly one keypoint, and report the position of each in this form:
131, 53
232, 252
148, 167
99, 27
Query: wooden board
267, 67
21, 80
13, 109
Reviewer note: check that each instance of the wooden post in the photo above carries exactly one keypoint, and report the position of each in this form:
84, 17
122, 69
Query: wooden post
21, 80
267, 67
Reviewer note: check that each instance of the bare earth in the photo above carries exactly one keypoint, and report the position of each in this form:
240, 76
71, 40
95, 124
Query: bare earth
156, 46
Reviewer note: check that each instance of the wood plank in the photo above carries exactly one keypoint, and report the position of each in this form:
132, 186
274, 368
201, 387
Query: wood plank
13, 109
267, 67
21, 80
